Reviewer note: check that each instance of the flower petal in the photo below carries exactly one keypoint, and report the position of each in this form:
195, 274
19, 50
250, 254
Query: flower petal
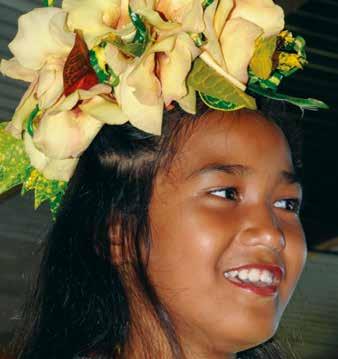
61, 170
154, 19
105, 111
67, 103
146, 86
38, 159
264, 13
13, 69
50, 85
115, 59
189, 13
222, 13
144, 117
65, 134
188, 102
238, 44
93, 18
192, 21
26, 106
39, 37
174, 67
212, 47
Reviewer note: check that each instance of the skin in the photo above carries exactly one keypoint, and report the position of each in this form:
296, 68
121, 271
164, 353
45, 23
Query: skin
199, 230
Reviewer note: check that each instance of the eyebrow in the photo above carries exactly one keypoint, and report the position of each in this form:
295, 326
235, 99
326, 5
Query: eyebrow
241, 170
231, 169
290, 177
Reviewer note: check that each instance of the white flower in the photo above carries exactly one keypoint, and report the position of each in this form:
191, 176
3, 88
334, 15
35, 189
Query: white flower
52, 169
93, 18
232, 27
188, 13
40, 48
41, 36
65, 131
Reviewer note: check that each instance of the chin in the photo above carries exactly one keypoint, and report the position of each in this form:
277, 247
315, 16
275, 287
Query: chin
255, 335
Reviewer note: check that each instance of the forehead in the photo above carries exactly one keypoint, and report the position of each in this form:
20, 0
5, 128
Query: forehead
241, 137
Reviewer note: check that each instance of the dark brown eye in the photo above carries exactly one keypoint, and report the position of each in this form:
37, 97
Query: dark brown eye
289, 204
229, 193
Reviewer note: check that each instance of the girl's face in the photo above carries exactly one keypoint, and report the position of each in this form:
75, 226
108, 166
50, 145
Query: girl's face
230, 199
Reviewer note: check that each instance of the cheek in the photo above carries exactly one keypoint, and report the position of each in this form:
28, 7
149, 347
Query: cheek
189, 230
187, 242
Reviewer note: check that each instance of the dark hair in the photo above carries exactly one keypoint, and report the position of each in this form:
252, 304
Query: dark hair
79, 304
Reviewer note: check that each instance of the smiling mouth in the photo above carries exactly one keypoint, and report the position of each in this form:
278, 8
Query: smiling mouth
261, 281
259, 288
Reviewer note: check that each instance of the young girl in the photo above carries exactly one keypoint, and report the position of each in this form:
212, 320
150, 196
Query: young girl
178, 236
145, 257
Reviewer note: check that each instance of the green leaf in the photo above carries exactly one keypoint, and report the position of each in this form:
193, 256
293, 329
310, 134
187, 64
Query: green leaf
48, 3
141, 38
271, 83
304, 103
206, 80
31, 117
198, 38
141, 35
138, 45
15, 169
44, 189
217, 104
206, 3
105, 75
130, 49
13, 160
261, 62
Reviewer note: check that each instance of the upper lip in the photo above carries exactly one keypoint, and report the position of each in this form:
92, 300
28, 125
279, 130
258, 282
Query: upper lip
277, 270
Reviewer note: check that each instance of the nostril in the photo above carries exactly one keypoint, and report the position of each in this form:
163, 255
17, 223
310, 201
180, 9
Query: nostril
268, 236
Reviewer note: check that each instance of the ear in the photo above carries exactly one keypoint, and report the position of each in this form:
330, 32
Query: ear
116, 245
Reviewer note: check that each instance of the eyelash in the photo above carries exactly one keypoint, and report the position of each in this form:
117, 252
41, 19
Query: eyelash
291, 204
229, 190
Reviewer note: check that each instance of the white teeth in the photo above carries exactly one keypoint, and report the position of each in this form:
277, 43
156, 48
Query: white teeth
253, 275
243, 274
266, 277
231, 274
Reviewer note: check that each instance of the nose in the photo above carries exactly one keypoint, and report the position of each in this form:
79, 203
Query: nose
261, 227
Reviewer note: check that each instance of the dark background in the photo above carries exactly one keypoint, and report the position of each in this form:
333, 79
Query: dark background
317, 22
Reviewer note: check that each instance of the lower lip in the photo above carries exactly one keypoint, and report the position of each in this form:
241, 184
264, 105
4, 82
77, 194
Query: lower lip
263, 291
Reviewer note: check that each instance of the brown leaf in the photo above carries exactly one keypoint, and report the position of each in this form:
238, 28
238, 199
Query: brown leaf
77, 73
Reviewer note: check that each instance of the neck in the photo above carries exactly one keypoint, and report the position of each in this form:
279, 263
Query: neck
199, 348
146, 338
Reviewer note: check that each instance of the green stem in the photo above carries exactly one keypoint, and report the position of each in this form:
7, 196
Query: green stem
30, 127
304, 103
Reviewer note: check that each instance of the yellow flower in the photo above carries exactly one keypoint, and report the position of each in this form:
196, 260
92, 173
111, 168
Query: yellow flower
52, 169
174, 67
94, 18
232, 27
43, 32
66, 130
41, 36
188, 13
141, 94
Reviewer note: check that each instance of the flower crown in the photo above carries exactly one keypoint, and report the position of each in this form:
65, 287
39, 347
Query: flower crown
91, 63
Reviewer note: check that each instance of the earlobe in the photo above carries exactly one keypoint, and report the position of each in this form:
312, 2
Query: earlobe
116, 244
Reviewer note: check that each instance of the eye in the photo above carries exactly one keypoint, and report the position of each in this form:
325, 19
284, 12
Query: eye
289, 204
229, 193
